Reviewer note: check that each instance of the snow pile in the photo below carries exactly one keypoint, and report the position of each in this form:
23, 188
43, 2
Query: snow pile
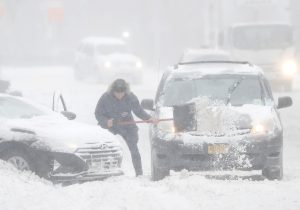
213, 117
25, 191
182, 191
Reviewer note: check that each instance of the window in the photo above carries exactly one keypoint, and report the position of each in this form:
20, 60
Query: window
14, 108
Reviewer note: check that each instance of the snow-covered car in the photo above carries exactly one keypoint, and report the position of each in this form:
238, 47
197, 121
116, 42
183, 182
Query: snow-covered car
105, 59
224, 117
195, 55
33, 137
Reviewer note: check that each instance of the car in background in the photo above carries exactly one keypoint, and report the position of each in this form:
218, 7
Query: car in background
35, 138
105, 59
224, 118
195, 55
5, 88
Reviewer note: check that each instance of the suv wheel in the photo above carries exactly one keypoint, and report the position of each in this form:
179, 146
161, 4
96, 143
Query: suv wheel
272, 173
156, 172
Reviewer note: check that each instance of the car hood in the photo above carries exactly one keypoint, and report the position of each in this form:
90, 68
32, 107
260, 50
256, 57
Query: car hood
55, 133
212, 121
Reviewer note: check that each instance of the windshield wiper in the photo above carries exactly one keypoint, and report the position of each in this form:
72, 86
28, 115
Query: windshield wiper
232, 88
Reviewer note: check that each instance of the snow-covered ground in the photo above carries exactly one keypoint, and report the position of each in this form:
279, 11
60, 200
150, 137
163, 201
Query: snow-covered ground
183, 190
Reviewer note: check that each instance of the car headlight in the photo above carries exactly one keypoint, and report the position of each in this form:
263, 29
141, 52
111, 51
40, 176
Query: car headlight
269, 127
289, 68
138, 65
107, 64
259, 129
72, 146
166, 126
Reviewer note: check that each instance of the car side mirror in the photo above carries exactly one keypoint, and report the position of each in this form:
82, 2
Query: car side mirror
284, 102
69, 115
148, 104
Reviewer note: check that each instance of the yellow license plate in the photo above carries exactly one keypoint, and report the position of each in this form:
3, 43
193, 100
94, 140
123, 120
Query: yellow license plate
216, 149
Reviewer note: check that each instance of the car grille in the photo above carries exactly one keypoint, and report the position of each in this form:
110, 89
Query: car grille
106, 156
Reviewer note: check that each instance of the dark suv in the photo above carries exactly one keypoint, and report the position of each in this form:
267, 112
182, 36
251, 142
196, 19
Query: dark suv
224, 118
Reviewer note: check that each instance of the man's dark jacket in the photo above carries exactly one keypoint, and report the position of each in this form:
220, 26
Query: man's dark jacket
109, 107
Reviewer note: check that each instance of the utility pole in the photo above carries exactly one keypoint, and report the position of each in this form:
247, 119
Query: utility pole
295, 16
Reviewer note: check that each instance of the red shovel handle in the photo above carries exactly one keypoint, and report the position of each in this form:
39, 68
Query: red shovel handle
142, 121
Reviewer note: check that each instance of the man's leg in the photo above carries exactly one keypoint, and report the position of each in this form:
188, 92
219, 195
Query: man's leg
131, 139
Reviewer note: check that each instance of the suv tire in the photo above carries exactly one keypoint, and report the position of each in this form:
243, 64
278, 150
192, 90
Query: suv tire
272, 173
157, 173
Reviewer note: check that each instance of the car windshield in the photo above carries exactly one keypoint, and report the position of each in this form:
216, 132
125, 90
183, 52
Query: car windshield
262, 37
111, 49
179, 91
13, 109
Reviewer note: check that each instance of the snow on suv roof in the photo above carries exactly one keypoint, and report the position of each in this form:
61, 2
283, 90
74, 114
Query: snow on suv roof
191, 55
218, 67
103, 41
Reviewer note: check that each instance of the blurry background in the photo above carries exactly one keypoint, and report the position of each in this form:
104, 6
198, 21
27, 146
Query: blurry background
48, 31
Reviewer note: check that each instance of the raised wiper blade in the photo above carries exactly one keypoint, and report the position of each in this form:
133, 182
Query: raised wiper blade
232, 88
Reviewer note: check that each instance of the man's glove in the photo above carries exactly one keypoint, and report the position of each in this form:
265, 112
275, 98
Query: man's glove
110, 123
153, 120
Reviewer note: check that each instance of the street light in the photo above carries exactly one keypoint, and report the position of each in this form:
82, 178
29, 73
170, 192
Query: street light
126, 34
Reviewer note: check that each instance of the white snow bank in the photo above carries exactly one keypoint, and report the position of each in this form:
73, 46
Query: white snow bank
181, 191
23, 191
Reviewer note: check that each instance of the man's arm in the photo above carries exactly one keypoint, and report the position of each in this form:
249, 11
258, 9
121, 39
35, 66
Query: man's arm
100, 113
137, 109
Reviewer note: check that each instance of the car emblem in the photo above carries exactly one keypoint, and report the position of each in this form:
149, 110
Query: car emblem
103, 146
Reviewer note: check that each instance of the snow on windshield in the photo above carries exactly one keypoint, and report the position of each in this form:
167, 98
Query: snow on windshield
179, 91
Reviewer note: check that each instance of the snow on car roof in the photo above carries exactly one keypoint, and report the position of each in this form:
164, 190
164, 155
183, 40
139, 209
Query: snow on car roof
191, 55
214, 68
103, 41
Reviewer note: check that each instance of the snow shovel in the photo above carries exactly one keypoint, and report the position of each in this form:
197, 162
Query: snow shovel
141, 121
184, 117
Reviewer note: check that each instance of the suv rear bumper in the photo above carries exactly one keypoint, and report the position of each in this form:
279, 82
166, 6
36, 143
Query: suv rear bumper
246, 154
